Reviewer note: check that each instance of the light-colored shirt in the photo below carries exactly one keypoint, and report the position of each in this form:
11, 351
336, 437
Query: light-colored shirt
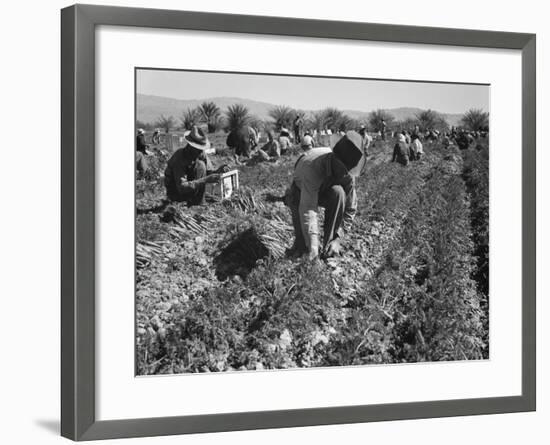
307, 141
285, 143
366, 141
316, 169
417, 146
272, 148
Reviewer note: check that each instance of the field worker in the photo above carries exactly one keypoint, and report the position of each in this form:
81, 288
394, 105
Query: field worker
155, 139
407, 137
297, 128
366, 140
271, 150
326, 178
307, 142
401, 150
141, 152
141, 146
383, 129
462, 140
243, 140
284, 140
416, 147
189, 170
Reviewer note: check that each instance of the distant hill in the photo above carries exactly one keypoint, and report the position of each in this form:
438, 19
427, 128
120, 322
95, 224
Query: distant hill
149, 108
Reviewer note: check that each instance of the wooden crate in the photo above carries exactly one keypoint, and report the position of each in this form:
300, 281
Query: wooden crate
174, 141
229, 182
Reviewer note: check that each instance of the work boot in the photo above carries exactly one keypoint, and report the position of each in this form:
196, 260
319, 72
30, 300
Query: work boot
296, 250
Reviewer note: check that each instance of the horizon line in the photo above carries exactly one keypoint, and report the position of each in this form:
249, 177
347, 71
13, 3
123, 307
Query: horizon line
212, 98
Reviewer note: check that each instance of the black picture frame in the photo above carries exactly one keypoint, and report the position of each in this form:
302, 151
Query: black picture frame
78, 23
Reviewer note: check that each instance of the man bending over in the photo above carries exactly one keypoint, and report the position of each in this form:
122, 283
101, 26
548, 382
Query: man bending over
326, 178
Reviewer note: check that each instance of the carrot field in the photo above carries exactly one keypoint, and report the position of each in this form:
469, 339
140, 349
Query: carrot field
215, 291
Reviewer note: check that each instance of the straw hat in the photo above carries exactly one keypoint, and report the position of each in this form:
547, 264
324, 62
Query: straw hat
197, 139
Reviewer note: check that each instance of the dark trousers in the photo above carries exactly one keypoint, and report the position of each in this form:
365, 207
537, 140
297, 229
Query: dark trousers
333, 200
297, 135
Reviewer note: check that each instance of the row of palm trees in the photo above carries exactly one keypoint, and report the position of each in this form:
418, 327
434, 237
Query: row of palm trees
238, 115
210, 114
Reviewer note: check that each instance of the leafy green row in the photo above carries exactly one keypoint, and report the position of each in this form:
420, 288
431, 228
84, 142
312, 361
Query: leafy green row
421, 305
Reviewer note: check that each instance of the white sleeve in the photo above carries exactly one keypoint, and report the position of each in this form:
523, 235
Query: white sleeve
308, 209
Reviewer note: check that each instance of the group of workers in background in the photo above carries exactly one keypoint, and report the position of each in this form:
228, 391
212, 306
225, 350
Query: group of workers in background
323, 176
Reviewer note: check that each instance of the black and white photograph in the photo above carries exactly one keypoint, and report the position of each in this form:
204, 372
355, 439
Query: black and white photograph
288, 221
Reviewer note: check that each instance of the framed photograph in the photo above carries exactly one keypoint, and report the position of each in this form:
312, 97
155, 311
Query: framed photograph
274, 222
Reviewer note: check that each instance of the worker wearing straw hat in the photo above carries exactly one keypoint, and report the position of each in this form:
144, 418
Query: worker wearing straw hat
326, 178
189, 170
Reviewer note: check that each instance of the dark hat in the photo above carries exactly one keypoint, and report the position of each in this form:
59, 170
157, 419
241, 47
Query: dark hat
348, 150
197, 139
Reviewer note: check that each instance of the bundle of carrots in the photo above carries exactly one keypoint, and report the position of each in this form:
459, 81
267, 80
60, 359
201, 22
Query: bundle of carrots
145, 251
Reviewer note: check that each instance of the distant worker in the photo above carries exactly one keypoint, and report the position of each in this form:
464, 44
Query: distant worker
366, 140
141, 152
463, 141
307, 142
271, 150
155, 139
243, 140
298, 128
326, 178
383, 129
189, 170
284, 140
407, 137
401, 150
416, 147
141, 146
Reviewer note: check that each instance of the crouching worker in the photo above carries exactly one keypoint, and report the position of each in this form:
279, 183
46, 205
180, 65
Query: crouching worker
141, 152
416, 148
326, 178
271, 151
189, 170
401, 150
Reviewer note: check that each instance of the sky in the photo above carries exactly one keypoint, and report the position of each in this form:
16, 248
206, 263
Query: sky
312, 93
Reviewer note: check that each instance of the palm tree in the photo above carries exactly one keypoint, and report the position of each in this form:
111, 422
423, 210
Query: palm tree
282, 116
317, 120
189, 118
333, 118
475, 120
256, 123
210, 114
165, 122
237, 116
